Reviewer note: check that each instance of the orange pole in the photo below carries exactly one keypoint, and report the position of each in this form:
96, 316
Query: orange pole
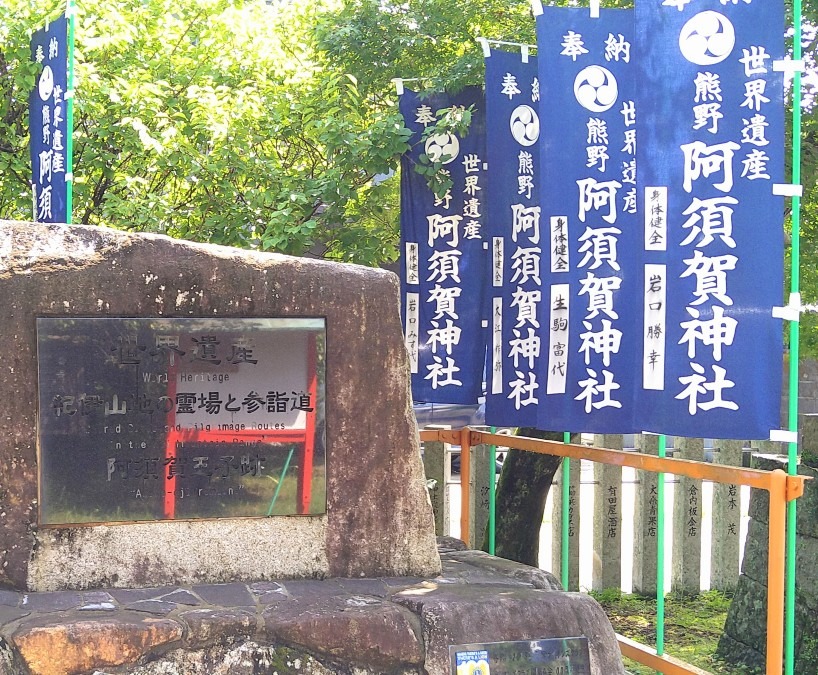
305, 461
465, 483
775, 572
171, 453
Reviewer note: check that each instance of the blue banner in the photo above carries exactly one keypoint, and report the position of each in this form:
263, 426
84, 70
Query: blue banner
444, 249
47, 123
711, 143
516, 238
592, 275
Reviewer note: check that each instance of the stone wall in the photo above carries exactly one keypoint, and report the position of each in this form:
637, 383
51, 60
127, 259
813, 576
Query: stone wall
807, 389
378, 521
744, 639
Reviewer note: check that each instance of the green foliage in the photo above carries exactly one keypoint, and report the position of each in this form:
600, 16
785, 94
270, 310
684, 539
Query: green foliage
693, 626
212, 120
263, 125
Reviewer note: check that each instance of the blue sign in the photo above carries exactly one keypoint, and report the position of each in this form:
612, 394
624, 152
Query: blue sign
591, 273
47, 123
444, 246
711, 141
518, 242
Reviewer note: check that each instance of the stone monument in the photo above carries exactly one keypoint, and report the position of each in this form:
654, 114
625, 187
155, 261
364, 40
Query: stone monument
209, 464
374, 477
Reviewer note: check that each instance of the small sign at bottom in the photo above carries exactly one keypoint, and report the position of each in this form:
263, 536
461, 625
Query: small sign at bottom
556, 656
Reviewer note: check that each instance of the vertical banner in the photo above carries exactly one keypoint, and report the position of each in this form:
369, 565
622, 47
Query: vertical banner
47, 123
445, 249
518, 240
592, 273
711, 143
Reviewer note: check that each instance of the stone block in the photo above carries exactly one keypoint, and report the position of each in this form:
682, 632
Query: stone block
502, 570
754, 564
360, 630
607, 569
378, 521
481, 471
88, 644
687, 523
745, 623
724, 553
436, 471
646, 522
573, 523
736, 652
209, 626
459, 614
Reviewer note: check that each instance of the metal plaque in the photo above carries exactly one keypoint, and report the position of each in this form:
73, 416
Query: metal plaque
557, 656
163, 419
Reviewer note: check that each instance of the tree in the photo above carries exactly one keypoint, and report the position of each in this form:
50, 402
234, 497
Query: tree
212, 120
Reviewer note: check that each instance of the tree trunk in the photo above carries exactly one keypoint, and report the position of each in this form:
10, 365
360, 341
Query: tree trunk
521, 493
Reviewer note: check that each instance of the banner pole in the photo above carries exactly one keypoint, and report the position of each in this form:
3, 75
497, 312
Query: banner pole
566, 503
660, 554
795, 287
69, 116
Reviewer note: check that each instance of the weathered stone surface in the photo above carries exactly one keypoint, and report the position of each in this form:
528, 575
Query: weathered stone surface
9, 614
740, 654
378, 523
746, 621
9, 661
341, 626
497, 570
746, 618
209, 626
462, 614
84, 645
157, 607
51, 602
127, 595
448, 544
249, 658
227, 595
754, 563
360, 630
181, 597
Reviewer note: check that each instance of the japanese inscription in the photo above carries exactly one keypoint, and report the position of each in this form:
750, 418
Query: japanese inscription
152, 419
47, 121
443, 243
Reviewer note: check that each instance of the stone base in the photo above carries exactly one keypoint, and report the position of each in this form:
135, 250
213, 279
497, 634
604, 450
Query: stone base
388, 625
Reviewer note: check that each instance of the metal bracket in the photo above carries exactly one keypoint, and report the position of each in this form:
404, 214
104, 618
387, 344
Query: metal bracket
789, 66
450, 436
783, 436
791, 311
788, 190
795, 486
484, 43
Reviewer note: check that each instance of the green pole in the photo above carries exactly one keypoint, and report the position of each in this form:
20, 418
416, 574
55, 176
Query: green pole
566, 486
70, 9
281, 481
795, 289
492, 493
660, 554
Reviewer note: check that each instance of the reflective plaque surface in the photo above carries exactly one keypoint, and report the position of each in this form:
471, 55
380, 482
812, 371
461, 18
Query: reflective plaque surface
162, 419
558, 656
